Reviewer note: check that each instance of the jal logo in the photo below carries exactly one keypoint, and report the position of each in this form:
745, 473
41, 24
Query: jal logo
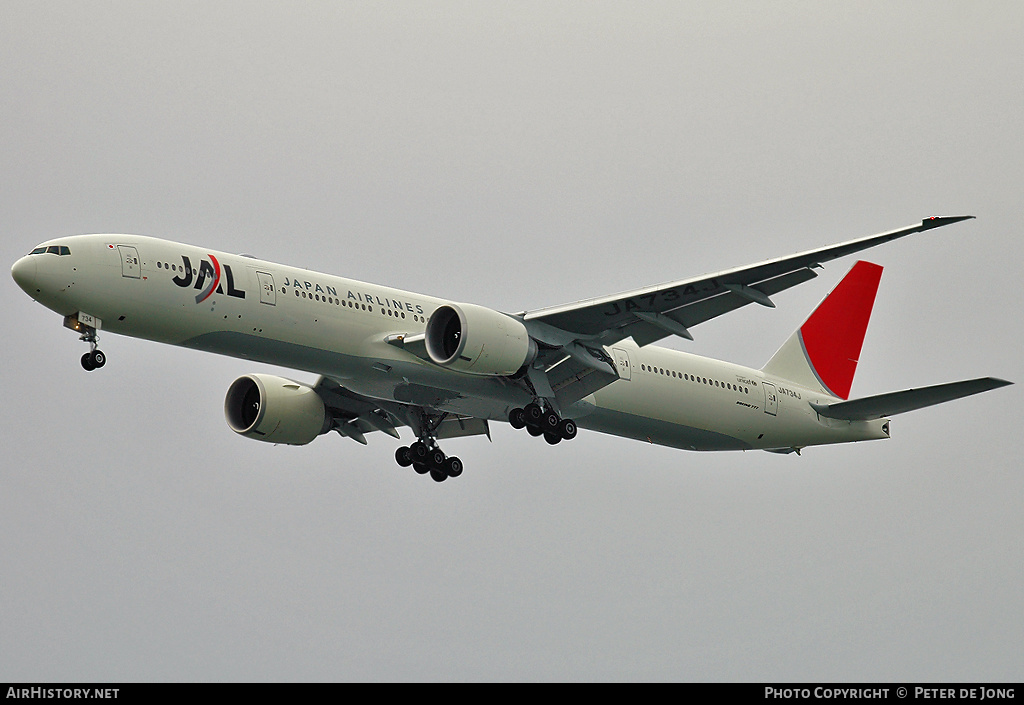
208, 279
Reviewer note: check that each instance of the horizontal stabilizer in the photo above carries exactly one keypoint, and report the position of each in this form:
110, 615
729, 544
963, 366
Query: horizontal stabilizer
883, 405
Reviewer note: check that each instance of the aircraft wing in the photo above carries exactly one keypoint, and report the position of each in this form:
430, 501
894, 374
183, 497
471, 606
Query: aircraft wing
572, 335
672, 308
354, 415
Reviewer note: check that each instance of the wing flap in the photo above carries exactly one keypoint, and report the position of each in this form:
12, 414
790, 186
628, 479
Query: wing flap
459, 426
649, 328
884, 405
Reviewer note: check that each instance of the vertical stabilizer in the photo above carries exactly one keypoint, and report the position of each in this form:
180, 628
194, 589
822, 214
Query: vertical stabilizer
823, 353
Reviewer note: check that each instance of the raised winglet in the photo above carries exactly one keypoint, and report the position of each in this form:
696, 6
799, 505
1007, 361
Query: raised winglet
937, 221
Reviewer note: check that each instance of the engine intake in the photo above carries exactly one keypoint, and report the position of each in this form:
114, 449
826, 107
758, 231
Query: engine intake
275, 410
479, 340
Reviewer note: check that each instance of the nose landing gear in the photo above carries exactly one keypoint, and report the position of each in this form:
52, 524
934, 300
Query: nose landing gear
95, 358
87, 325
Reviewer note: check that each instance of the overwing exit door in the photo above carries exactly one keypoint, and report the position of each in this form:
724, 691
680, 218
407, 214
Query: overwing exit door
622, 363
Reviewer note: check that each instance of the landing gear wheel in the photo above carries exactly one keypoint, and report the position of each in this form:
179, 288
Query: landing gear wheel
567, 429
419, 452
435, 459
420, 468
550, 422
533, 414
438, 475
543, 422
93, 360
403, 456
517, 418
452, 467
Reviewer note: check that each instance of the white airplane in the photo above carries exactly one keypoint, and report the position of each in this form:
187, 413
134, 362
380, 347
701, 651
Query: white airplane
388, 358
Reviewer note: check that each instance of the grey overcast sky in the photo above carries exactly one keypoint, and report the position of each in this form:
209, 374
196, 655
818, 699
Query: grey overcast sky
516, 155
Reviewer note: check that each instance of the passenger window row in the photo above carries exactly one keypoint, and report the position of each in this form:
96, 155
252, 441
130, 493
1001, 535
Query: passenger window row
174, 267
354, 304
693, 378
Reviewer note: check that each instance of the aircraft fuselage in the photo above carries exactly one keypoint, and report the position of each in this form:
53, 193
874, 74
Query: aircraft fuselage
297, 318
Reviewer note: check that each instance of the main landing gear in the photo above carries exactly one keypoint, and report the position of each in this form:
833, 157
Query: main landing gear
541, 422
95, 357
426, 457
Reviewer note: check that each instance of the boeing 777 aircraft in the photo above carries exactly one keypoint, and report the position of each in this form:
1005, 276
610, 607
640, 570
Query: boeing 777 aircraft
388, 358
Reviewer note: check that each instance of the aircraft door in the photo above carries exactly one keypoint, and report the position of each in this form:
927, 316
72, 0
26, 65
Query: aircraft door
622, 363
771, 399
129, 262
268, 294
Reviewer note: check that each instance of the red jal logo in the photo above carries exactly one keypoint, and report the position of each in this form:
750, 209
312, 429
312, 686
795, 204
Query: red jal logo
211, 272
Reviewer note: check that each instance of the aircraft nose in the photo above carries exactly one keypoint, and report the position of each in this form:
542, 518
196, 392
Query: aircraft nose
24, 273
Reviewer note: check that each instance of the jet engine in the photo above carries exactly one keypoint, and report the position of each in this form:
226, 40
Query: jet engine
275, 410
478, 340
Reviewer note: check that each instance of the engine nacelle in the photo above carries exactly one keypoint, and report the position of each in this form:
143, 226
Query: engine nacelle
275, 410
476, 339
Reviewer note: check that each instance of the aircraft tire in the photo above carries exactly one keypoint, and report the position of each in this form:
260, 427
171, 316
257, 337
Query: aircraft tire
87, 362
567, 429
438, 475
420, 468
516, 418
453, 467
419, 452
533, 414
550, 422
403, 456
552, 438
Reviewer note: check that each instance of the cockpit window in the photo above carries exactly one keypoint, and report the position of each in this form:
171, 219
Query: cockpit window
52, 249
38, 251
65, 250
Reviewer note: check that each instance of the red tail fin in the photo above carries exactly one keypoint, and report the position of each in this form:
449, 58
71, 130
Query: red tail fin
825, 351
834, 334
